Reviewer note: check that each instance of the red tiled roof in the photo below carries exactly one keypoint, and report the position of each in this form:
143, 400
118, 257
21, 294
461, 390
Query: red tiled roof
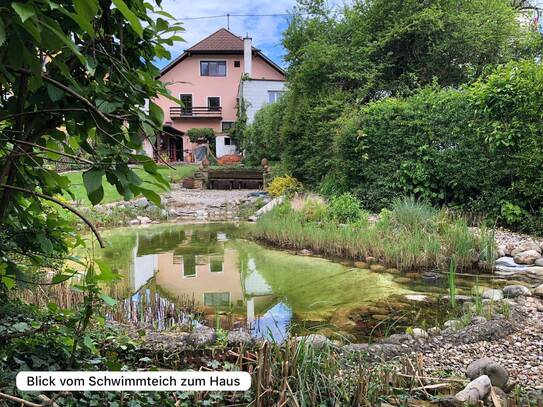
222, 40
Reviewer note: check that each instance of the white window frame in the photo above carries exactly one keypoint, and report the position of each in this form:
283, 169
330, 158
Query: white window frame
275, 92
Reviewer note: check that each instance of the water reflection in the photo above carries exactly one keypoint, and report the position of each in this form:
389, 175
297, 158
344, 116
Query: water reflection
239, 283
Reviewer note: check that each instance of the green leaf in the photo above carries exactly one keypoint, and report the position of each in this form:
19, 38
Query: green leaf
8, 282
151, 196
106, 274
130, 16
108, 300
89, 343
20, 327
59, 278
156, 114
96, 196
92, 179
86, 8
25, 11
55, 94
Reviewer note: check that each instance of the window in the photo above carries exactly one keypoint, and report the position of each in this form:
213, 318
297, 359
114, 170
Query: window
213, 102
274, 95
227, 126
212, 68
237, 64
186, 103
227, 141
216, 299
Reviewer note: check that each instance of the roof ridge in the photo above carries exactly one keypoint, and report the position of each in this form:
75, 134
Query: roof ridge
213, 34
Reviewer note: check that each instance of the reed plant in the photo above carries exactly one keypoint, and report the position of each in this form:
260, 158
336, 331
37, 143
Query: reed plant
412, 235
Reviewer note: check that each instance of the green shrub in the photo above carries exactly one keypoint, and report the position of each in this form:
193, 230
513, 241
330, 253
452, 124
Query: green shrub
284, 185
477, 149
345, 208
314, 211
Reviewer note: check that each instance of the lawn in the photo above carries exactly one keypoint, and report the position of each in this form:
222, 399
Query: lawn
110, 192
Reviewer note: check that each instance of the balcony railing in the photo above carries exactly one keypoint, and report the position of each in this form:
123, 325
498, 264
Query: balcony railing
178, 112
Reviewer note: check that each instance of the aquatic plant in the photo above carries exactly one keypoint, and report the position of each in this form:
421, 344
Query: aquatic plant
411, 235
452, 281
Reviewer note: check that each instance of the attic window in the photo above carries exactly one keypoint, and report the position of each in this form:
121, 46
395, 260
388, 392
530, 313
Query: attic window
237, 64
212, 68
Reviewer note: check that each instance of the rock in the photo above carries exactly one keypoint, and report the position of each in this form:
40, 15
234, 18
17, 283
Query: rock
448, 401
305, 252
420, 333
501, 251
526, 246
527, 257
417, 298
478, 320
201, 336
377, 267
134, 222
392, 270
475, 391
539, 262
485, 366
361, 264
371, 260
434, 331
270, 205
237, 337
538, 291
535, 271
501, 396
513, 291
144, 220
252, 218
397, 339
507, 262
494, 295
430, 277
454, 324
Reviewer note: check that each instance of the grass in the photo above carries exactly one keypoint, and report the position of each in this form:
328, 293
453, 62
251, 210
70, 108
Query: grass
110, 192
411, 235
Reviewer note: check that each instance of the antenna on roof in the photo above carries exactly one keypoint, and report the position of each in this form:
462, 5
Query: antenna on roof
228, 21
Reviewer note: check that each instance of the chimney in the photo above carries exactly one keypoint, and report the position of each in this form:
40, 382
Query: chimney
248, 55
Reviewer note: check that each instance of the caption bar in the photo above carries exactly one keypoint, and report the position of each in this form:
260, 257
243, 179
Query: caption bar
133, 381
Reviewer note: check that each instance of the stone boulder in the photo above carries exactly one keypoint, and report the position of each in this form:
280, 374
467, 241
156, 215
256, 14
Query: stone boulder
420, 334
493, 294
475, 391
527, 257
485, 366
535, 272
513, 291
538, 291
526, 246
316, 341
539, 262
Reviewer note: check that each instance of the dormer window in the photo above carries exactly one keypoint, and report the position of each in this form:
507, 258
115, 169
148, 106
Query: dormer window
212, 68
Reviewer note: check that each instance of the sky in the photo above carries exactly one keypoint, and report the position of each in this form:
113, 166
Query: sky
265, 31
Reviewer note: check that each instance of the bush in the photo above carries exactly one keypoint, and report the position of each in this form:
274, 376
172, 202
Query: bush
284, 185
314, 211
345, 208
477, 149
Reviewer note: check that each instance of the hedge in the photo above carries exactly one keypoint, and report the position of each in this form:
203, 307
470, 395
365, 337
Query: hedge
479, 148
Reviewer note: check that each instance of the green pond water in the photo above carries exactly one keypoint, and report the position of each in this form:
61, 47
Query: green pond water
173, 269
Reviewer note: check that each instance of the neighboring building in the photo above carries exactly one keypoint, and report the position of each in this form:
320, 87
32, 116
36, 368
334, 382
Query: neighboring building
208, 79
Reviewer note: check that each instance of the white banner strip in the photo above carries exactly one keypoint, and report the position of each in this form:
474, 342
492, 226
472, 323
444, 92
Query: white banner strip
133, 381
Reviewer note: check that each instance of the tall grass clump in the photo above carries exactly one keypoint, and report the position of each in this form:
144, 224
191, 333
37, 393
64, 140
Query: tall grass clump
410, 235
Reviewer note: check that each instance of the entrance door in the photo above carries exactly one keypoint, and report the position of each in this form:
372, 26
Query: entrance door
179, 149
186, 106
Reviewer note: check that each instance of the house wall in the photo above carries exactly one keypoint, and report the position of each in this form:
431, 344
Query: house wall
255, 94
184, 78
223, 149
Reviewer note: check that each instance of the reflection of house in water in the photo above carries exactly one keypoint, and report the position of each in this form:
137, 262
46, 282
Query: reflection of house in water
199, 266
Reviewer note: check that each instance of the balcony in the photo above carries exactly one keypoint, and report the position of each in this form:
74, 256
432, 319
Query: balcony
204, 112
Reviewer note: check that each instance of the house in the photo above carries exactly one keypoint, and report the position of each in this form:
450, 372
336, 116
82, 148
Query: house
209, 78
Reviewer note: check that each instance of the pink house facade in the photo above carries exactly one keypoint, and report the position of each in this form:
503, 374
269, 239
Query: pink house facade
208, 78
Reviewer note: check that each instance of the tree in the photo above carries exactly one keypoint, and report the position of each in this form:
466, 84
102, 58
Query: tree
75, 77
379, 48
